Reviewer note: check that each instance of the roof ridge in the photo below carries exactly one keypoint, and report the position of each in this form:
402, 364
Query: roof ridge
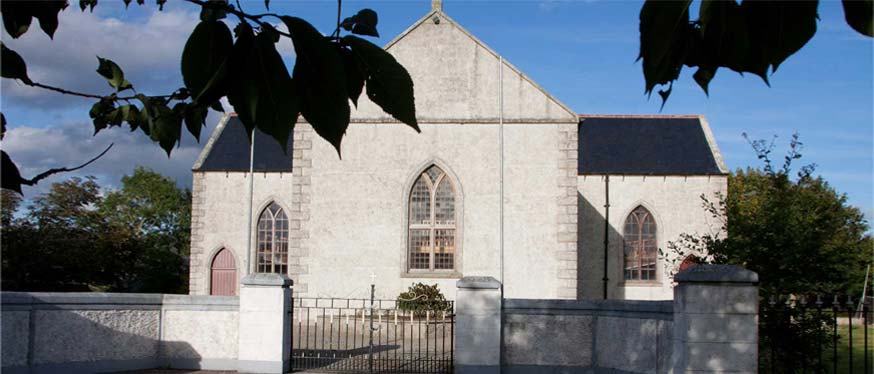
642, 116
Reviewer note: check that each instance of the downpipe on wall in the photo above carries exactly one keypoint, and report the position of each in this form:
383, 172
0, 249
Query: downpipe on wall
249, 254
606, 278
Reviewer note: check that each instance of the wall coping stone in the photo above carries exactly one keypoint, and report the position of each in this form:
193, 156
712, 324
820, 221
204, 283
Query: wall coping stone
11, 298
96, 299
267, 279
716, 274
557, 306
478, 283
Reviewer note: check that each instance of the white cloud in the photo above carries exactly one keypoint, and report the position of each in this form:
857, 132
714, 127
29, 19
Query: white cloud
36, 150
148, 51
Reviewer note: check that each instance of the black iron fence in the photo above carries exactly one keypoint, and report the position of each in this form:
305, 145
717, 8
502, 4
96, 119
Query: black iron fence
815, 335
370, 336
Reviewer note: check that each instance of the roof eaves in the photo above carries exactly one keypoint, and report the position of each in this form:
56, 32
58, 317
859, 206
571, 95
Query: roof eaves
212, 139
711, 141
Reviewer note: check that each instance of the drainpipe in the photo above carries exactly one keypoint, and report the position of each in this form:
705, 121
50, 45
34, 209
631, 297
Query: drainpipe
249, 254
606, 279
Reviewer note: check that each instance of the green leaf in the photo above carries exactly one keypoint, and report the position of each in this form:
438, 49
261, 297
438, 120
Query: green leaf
241, 93
362, 23
354, 75
217, 106
147, 114
777, 30
195, 120
99, 112
860, 15
113, 74
321, 81
17, 16
389, 85
167, 127
365, 23
47, 14
214, 10
703, 76
83, 4
13, 65
261, 90
664, 39
724, 35
10, 177
205, 51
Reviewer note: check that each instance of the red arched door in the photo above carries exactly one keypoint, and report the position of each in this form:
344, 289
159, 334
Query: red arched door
223, 274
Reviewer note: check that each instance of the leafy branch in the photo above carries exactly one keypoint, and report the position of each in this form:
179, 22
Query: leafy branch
245, 67
751, 36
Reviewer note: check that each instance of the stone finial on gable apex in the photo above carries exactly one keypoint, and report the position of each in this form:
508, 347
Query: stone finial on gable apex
437, 5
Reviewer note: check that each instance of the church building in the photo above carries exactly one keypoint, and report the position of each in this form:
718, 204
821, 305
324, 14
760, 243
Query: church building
504, 180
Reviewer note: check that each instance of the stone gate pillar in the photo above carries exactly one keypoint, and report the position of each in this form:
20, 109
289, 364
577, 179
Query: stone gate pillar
478, 325
265, 324
716, 320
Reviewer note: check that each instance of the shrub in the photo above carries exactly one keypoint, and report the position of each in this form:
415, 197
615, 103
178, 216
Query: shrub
421, 297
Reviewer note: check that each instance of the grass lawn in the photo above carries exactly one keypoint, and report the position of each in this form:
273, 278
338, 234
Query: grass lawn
858, 349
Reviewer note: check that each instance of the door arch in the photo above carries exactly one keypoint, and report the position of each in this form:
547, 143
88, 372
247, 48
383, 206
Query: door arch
223, 274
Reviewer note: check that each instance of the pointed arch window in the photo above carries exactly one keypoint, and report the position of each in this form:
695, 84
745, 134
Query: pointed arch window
432, 223
273, 240
640, 246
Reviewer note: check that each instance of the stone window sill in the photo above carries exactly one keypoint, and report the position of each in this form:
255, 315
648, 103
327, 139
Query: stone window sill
641, 284
432, 274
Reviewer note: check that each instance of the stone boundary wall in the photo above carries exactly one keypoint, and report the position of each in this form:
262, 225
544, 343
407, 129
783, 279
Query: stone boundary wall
591, 336
103, 332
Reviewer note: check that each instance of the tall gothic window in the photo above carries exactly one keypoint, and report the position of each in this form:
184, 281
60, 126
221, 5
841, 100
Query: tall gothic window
641, 247
273, 240
431, 243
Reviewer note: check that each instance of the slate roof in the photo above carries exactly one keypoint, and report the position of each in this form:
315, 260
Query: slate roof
647, 145
228, 150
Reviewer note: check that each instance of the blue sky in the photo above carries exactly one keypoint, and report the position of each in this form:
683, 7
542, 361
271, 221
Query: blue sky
583, 52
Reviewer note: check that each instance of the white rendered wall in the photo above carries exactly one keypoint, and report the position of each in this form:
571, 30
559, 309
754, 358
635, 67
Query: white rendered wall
675, 203
219, 217
358, 207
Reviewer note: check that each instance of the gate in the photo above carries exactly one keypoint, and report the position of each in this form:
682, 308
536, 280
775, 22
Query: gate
371, 336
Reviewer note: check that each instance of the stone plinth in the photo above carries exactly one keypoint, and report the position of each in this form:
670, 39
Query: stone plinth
478, 325
715, 320
265, 324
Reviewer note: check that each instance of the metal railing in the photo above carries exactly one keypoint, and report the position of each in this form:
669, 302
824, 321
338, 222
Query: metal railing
370, 336
815, 335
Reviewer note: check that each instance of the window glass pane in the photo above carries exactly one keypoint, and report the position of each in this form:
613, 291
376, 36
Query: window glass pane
420, 203
420, 249
280, 242
434, 173
264, 241
444, 249
640, 245
444, 204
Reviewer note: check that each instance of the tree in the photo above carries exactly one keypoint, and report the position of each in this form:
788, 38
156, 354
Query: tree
802, 239
153, 212
245, 67
752, 36
798, 234
135, 239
